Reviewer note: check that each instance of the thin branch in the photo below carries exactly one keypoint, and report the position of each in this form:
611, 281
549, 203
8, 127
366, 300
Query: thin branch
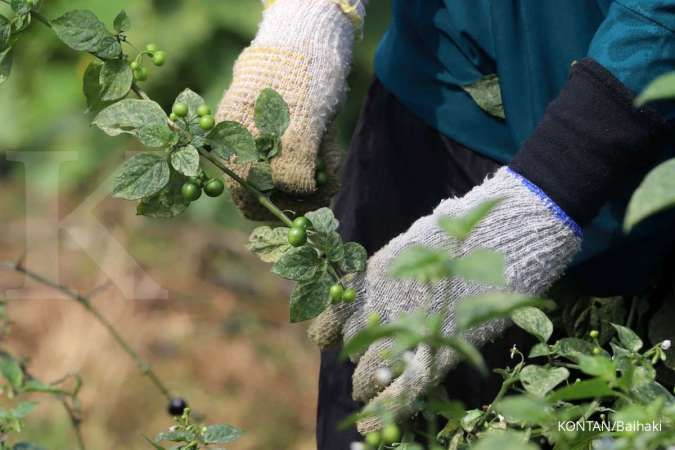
85, 301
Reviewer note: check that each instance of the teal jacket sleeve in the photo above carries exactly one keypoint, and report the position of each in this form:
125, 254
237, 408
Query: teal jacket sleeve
636, 41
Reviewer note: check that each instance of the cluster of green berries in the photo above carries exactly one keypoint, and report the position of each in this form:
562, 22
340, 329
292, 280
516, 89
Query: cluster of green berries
192, 189
206, 119
321, 175
390, 434
337, 294
158, 59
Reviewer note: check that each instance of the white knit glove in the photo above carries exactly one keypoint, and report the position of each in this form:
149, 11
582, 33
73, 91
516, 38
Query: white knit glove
303, 50
537, 241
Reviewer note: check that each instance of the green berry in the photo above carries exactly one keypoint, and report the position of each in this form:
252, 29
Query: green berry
335, 292
302, 222
213, 187
297, 236
207, 122
596, 350
321, 178
391, 434
373, 439
141, 74
180, 109
159, 58
594, 334
191, 191
349, 295
151, 48
135, 65
30, 3
173, 117
203, 110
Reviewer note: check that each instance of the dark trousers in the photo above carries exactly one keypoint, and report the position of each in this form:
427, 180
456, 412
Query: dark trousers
397, 170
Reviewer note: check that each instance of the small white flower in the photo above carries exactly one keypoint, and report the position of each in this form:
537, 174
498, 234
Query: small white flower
357, 446
173, 428
383, 376
665, 345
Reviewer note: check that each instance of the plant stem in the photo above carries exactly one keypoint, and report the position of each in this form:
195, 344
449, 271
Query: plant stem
76, 422
85, 301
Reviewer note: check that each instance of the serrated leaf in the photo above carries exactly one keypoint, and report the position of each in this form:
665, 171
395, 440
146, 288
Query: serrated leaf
473, 311
539, 381
81, 30
141, 176
167, 203
260, 176
221, 434
481, 265
271, 113
310, 298
269, 244
421, 263
186, 161
487, 95
122, 22
298, 264
662, 88
12, 372
628, 338
115, 79
460, 227
655, 194
131, 116
355, 258
6, 58
521, 408
534, 321
232, 138
323, 220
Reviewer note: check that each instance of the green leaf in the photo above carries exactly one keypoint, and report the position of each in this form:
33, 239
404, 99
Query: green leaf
122, 22
662, 88
364, 338
355, 257
539, 349
91, 86
598, 366
593, 388
39, 386
648, 392
5, 32
268, 243
503, 440
267, 146
310, 298
131, 116
521, 408
115, 80
6, 58
573, 347
298, 264
260, 176
481, 265
487, 95
271, 113
175, 436
81, 30
539, 381
221, 434
655, 194
232, 138
167, 203
421, 263
186, 161
154, 445
460, 227
323, 220
157, 135
12, 372
476, 310
23, 409
20, 7
142, 175
534, 321
191, 99
628, 338
331, 245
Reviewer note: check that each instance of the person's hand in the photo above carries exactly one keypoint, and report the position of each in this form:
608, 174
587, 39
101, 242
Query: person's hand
303, 50
537, 241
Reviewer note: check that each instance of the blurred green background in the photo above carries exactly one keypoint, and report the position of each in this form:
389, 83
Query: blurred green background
222, 337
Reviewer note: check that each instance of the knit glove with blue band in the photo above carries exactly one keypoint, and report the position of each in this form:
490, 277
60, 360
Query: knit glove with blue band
588, 139
303, 50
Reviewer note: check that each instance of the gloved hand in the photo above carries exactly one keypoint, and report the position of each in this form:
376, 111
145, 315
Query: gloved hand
303, 50
537, 241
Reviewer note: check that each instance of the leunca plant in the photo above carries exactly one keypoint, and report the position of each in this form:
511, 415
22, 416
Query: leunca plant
598, 390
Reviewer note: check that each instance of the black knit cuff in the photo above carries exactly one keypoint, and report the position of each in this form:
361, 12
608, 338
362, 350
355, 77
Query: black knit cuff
589, 139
